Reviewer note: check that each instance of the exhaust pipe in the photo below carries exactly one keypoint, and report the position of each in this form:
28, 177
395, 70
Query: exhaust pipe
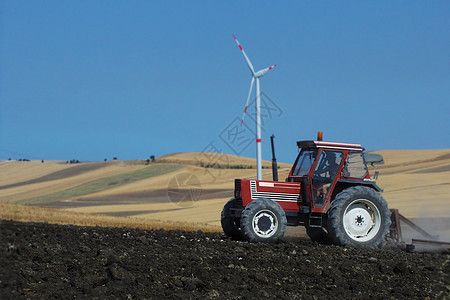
274, 161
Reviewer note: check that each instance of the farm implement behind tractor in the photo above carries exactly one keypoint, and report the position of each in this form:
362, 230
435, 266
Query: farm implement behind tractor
428, 242
329, 191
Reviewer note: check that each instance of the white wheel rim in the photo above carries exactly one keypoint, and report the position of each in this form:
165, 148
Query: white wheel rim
265, 223
362, 220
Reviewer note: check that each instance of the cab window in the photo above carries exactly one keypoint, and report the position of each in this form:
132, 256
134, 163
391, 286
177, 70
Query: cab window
328, 164
304, 162
355, 166
325, 172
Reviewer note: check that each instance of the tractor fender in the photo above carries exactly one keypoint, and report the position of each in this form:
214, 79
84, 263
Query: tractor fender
350, 182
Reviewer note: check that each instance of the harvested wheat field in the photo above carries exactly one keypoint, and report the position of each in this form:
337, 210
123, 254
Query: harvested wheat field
160, 191
187, 187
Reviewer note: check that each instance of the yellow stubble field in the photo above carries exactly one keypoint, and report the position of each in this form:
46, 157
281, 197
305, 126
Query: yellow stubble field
415, 181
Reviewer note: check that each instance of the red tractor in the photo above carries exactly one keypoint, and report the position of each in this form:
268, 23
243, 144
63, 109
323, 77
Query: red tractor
329, 191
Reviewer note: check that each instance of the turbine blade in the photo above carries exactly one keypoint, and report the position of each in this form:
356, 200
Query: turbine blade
264, 71
249, 63
248, 99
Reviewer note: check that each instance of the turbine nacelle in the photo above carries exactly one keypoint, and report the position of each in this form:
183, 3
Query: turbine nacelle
263, 71
258, 74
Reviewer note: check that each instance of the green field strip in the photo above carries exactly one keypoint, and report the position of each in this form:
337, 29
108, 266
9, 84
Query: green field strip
103, 184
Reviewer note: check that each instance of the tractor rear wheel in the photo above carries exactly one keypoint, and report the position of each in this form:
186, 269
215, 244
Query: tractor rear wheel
231, 224
263, 220
359, 216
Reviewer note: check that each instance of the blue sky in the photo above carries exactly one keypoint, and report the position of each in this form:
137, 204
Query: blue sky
90, 80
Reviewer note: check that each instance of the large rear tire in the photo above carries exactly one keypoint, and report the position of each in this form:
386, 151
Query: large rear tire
359, 217
263, 220
230, 224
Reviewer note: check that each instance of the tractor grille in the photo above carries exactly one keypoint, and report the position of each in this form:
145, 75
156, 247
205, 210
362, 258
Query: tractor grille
237, 192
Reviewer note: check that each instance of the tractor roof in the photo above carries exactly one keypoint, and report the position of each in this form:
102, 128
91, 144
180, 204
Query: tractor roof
329, 145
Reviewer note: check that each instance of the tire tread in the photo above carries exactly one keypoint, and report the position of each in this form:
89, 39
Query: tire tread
251, 209
336, 210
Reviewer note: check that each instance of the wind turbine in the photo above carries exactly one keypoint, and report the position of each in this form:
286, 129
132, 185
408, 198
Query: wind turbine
255, 77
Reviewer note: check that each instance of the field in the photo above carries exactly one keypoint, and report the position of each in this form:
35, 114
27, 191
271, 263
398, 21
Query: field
129, 189
193, 187
153, 231
45, 261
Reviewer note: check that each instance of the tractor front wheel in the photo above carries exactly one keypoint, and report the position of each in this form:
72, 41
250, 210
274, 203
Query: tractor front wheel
359, 216
263, 220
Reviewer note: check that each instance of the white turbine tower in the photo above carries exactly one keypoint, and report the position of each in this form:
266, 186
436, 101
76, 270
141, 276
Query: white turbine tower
255, 77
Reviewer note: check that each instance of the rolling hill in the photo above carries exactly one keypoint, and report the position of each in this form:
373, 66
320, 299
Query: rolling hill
193, 187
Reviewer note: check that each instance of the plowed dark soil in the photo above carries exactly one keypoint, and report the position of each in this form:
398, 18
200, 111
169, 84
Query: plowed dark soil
42, 261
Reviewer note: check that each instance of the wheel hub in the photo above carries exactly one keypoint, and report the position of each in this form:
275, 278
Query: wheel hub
361, 220
265, 224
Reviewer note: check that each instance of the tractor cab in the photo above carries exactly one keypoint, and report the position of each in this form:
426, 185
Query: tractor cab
325, 168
